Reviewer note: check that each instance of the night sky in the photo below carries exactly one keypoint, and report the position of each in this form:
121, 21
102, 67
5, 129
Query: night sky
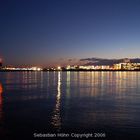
56, 32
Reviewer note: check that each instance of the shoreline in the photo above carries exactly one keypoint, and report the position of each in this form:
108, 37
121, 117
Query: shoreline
70, 71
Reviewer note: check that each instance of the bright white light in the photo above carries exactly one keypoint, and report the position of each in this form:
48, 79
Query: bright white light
39, 69
59, 68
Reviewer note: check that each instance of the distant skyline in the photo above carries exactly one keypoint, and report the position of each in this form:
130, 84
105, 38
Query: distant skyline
57, 32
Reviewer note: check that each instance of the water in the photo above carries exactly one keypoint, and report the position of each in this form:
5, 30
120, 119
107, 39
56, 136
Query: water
79, 102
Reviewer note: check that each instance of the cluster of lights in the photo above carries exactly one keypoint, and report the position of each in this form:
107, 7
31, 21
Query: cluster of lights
127, 66
24, 69
36, 69
119, 66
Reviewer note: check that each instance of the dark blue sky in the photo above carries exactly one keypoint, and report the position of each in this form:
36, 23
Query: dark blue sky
48, 32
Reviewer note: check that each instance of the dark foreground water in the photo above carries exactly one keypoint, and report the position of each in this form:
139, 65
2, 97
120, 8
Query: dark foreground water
105, 104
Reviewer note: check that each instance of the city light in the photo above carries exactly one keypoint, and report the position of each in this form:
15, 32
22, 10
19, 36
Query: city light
22, 68
124, 65
58, 68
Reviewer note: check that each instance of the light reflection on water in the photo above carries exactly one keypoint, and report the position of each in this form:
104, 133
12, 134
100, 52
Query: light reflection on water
56, 118
1, 91
1, 109
69, 100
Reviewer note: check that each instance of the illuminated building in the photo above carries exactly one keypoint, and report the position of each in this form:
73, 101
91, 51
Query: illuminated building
72, 67
118, 66
68, 67
87, 67
127, 66
106, 67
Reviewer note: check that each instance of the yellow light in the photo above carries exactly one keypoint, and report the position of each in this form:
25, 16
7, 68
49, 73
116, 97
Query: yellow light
36, 69
39, 69
59, 68
68, 67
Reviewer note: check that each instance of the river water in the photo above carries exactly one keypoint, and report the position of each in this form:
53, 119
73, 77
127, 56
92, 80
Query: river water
70, 102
